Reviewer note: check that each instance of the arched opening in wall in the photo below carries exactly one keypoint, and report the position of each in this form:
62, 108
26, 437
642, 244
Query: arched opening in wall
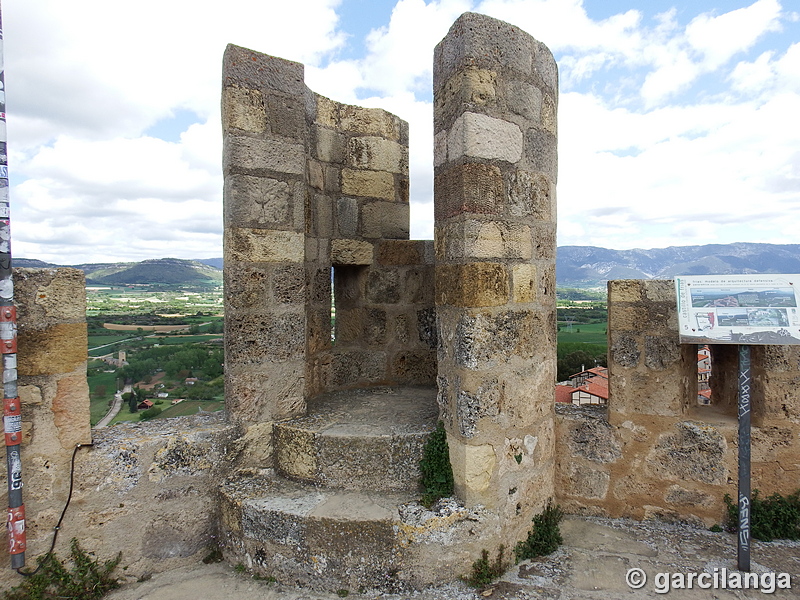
716, 390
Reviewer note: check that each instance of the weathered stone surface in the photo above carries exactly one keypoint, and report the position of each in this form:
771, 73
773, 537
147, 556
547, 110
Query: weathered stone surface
330, 146
59, 348
593, 439
469, 187
479, 136
531, 195
288, 284
351, 252
694, 452
249, 69
400, 252
70, 407
275, 336
471, 407
347, 212
524, 280
263, 245
52, 296
482, 240
484, 340
377, 154
383, 286
477, 463
472, 284
286, 116
388, 220
661, 352
371, 184
243, 108
624, 350
541, 153
253, 155
587, 482
260, 202
525, 100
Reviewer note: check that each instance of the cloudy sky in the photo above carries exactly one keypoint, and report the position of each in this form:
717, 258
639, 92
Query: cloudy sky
678, 119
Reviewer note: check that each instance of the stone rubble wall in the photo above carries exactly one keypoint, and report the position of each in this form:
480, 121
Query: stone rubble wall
653, 452
495, 158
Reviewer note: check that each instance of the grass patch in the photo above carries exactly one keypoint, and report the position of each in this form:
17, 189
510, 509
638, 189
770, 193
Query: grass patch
86, 578
584, 333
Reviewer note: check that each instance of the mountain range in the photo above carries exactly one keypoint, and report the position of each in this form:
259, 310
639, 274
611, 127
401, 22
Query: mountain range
576, 266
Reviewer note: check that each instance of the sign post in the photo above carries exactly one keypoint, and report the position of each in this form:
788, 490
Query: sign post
744, 310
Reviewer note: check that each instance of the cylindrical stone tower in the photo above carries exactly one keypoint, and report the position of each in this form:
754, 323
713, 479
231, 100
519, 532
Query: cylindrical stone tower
495, 98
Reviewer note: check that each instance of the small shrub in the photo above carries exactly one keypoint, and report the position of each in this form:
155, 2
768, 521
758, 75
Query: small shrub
343, 593
715, 528
544, 538
437, 474
774, 517
150, 413
85, 579
485, 572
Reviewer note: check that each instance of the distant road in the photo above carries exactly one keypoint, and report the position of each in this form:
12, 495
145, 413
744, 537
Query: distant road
115, 408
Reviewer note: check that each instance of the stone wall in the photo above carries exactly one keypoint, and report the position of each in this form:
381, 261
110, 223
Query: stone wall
146, 489
655, 452
495, 97
313, 185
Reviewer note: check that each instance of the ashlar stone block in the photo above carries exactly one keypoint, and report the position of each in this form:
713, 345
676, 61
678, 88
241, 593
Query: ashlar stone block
377, 154
479, 136
368, 184
472, 285
471, 187
256, 154
388, 220
264, 245
243, 108
351, 252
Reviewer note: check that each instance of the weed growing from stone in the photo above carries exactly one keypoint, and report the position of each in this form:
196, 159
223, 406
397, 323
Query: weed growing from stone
485, 572
437, 474
771, 518
544, 538
343, 593
85, 579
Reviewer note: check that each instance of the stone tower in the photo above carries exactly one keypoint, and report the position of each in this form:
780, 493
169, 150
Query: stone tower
495, 98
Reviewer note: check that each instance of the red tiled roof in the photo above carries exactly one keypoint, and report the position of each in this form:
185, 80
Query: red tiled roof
564, 393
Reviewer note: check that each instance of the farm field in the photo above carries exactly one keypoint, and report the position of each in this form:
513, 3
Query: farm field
587, 333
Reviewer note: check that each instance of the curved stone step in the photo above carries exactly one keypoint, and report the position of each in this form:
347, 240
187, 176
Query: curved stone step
331, 539
366, 439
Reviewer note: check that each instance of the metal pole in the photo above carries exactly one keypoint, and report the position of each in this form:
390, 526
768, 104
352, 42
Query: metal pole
12, 419
743, 553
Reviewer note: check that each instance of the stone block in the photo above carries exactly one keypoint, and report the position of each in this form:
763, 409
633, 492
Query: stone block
70, 408
377, 154
352, 368
51, 296
544, 66
484, 340
351, 252
288, 285
440, 148
484, 240
543, 237
260, 202
587, 482
383, 286
400, 252
483, 42
624, 290
469, 187
524, 283
661, 353
263, 245
474, 135
691, 452
417, 367
316, 177
246, 286
548, 118
330, 145
374, 326
624, 350
323, 220
426, 327
59, 348
270, 391
387, 220
274, 337
483, 400
531, 195
286, 116
541, 153
243, 108
255, 155
347, 217
372, 121
472, 284
369, 184
524, 99
249, 69
473, 471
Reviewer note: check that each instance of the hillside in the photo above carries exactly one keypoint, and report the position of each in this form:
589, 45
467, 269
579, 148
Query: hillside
576, 266
166, 271
589, 265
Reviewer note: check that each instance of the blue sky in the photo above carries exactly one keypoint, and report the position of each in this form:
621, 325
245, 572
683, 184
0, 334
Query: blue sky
677, 120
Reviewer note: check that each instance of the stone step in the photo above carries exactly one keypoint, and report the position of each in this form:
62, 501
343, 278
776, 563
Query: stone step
341, 539
366, 439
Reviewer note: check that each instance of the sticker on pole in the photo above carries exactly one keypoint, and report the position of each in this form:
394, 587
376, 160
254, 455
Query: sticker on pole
739, 309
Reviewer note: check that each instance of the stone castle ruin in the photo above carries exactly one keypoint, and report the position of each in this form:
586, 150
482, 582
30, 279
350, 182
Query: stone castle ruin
311, 475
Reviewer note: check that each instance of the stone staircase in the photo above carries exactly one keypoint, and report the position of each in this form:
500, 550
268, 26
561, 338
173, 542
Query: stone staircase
340, 511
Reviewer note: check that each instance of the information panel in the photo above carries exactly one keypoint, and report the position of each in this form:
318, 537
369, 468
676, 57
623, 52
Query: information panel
739, 309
